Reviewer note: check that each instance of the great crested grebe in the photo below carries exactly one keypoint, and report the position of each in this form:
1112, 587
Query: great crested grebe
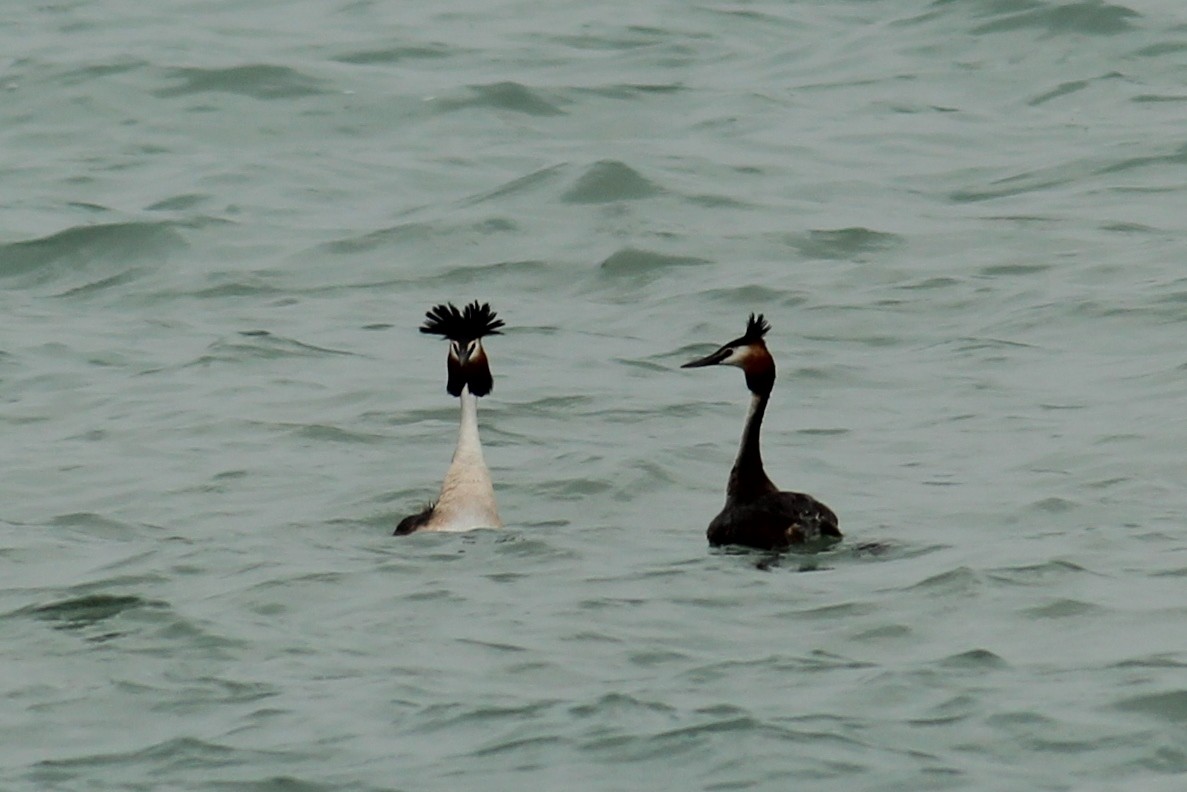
467, 498
756, 513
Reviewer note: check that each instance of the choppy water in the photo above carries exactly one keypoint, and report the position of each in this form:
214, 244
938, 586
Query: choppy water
222, 222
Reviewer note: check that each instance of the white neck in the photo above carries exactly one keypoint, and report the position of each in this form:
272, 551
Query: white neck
467, 497
469, 446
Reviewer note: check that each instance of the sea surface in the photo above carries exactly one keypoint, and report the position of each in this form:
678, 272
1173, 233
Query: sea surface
222, 222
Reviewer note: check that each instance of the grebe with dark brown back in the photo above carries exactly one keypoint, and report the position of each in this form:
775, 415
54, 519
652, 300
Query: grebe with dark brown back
467, 498
756, 513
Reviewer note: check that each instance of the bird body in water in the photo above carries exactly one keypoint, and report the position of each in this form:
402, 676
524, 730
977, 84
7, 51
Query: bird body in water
467, 498
756, 513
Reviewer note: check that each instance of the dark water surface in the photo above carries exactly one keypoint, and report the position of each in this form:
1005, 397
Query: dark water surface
222, 222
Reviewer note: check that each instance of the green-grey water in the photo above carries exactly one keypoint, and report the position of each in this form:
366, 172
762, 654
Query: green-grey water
221, 224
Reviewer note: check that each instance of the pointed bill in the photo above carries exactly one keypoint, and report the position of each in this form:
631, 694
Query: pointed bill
709, 360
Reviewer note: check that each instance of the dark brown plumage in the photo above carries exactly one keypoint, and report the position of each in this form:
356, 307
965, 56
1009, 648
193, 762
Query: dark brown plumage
414, 522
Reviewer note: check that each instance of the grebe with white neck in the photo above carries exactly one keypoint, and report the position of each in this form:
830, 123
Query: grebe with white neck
756, 513
467, 499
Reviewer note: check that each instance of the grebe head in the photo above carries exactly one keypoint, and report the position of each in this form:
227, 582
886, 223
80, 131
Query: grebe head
467, 363
747, 352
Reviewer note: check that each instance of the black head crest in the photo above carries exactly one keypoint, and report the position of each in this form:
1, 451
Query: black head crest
756, 328
475, 321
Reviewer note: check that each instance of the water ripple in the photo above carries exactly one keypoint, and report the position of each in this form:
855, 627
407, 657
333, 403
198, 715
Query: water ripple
1088, 17
645, 264
510, 96
610, 180
81, 259
260, 344
842, 243
89, 610
258, 81
390, 55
